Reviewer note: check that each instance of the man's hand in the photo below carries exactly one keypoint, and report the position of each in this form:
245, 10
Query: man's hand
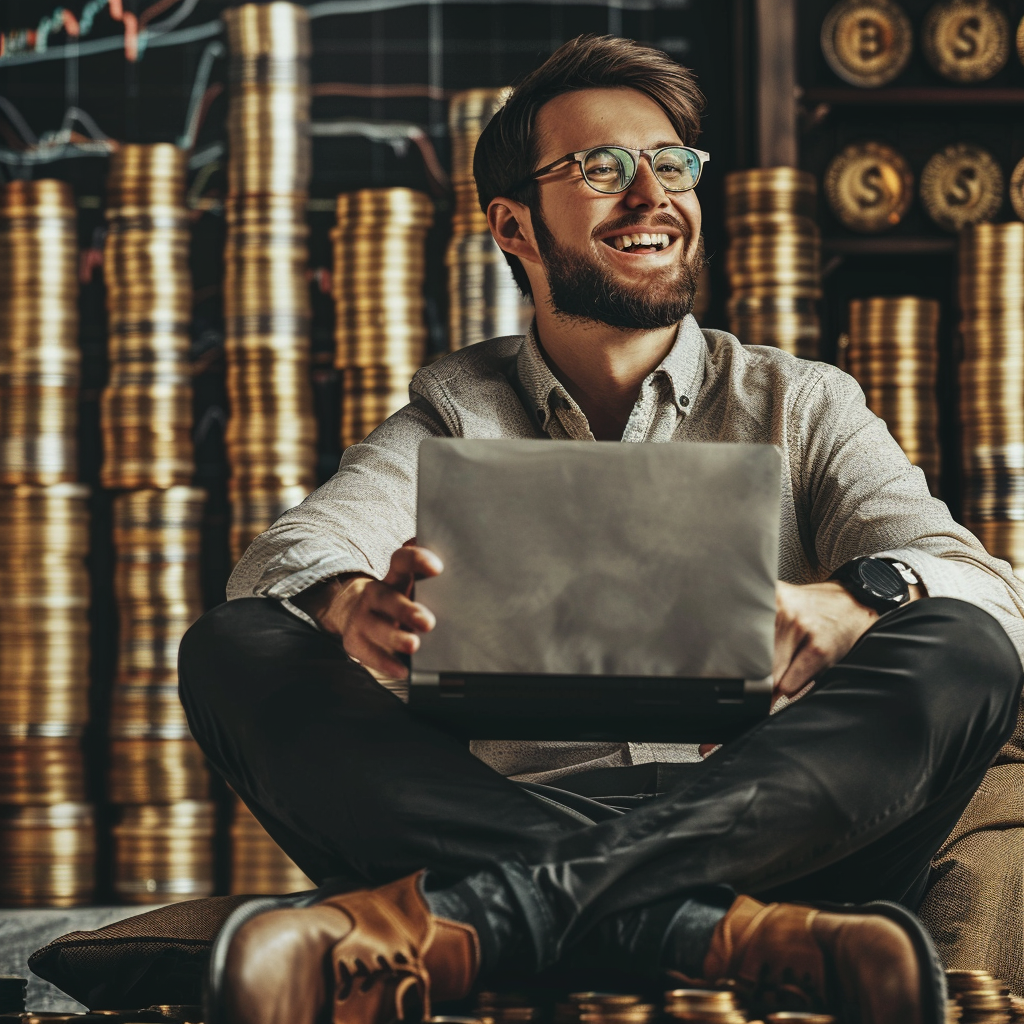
376, 619
815, 626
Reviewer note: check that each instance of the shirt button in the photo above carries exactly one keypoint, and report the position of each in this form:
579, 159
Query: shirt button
684, 401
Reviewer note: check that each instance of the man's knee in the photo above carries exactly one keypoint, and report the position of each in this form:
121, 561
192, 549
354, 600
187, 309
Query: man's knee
967, 662
221, 642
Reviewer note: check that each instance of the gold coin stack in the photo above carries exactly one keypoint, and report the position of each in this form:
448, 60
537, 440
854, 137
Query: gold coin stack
380, 332
484, 301
773, 262
605, 1008
146, 409
991, 294
155, 765
271, 434
711, 1006
39, 354
982, 998
893, 354
47, 855
258, 864
164, 853
44, 682
507, 1008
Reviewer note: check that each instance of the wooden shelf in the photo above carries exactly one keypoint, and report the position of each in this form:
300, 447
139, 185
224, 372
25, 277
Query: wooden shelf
915, 96
883, 246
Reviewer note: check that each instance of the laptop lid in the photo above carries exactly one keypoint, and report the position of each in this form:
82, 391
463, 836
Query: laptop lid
604, 558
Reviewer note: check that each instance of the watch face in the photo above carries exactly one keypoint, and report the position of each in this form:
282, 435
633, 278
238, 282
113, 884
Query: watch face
881, 579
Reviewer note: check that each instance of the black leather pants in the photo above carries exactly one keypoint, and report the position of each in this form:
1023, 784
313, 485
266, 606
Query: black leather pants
845, 795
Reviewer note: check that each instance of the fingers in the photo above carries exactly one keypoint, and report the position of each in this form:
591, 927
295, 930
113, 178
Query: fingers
808, 661
411, 563
392, 605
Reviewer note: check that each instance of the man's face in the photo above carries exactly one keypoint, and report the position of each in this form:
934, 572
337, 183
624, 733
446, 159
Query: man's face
589, 275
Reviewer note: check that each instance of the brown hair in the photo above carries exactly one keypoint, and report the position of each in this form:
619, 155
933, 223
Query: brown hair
507, 151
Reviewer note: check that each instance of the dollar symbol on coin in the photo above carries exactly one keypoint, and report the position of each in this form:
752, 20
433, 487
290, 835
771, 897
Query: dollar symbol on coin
967, 43
963, 190
871, 187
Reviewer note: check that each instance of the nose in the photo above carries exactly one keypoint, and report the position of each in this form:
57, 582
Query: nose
645, 192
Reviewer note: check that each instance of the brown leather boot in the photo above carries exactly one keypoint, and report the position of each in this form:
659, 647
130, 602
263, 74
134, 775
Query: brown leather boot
368, 957
871, 964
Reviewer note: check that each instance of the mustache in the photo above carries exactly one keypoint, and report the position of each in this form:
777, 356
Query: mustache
639, 220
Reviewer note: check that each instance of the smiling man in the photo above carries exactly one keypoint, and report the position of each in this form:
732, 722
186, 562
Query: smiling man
511, 858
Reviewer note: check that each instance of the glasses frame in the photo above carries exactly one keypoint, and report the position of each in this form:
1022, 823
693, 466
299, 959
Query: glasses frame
651, 154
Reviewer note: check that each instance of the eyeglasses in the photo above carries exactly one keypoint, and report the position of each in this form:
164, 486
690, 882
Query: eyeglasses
611, 169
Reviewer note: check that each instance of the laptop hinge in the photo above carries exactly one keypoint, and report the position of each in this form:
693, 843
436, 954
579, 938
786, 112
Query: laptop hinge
764, 685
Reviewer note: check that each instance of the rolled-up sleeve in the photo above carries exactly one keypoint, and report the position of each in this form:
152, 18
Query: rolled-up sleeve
352, 523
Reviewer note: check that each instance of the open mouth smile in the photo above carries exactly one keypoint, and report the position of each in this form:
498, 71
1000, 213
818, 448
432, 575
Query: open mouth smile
640, 242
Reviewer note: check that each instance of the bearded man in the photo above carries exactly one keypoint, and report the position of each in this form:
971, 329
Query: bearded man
445, 867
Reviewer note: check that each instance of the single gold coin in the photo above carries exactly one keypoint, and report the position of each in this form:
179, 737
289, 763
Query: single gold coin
960, 185
867, 42
869, 187
1017, 191
966, 40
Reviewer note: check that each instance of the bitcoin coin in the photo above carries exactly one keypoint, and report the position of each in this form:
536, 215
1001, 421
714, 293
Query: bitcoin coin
867, 42
962, 184
869, 187
966, 40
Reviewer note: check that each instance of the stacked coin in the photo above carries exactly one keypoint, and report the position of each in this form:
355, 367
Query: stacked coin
982, 998
39, 354
47, 855
154, 762
271, 436
507, 1008
991, 293
146, 410
605, 1008
380, 332
258, 864
44, 679
773, 262
712, 1006
164, 854
484, 301
893, 353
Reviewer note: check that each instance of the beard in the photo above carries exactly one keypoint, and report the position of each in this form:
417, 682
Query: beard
582, 289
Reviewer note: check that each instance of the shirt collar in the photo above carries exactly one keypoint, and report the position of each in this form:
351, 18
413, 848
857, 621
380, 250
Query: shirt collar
682, 369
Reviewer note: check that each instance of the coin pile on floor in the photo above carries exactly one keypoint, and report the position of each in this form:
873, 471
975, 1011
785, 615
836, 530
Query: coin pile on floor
975, 997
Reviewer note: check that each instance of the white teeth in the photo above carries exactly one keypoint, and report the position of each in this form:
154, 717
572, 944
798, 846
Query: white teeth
660, 241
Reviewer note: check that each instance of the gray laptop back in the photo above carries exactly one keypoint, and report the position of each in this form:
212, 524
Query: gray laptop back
609, 559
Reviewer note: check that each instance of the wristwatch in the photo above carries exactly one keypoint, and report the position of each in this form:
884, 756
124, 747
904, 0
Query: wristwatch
877, 583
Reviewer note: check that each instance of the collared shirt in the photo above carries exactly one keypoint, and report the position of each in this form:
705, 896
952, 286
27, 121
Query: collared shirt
848, 490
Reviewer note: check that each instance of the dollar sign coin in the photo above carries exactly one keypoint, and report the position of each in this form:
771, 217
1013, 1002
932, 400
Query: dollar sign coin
867, 42
869, 187
966, 40
961, 185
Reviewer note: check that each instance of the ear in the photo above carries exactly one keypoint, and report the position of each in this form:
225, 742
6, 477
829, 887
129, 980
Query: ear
511, 225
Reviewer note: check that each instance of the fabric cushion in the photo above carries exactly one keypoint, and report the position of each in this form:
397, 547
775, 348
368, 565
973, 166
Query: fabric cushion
153, 958
974, 908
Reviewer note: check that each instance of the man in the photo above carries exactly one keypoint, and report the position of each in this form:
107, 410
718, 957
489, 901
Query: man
513, 858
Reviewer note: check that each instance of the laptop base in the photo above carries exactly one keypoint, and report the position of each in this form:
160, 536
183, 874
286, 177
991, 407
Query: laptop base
490, 706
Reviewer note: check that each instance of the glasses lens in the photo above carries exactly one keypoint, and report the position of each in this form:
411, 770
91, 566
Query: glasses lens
609, 170
677, 169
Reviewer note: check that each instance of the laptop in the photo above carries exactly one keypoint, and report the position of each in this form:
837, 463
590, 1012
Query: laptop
597, 591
